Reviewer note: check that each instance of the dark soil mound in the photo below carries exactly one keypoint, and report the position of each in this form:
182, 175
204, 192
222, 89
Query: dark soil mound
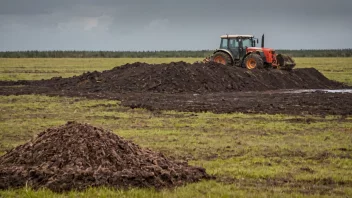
182, 77
77, 156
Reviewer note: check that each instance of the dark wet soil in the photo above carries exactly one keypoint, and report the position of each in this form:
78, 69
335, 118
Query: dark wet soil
249, 102
199, 87
77, 156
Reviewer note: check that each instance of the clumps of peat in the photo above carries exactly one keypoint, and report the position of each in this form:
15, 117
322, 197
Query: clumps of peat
77, 156
181, 77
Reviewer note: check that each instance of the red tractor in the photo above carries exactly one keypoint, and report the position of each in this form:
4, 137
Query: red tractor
241, 50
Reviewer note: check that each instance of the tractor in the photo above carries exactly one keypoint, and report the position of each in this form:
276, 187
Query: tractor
241, 51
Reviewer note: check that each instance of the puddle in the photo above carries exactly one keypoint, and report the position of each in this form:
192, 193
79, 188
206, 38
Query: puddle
318, 90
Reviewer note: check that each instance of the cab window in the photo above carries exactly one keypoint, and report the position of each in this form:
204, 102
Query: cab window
233, 43
223, 43
247, 43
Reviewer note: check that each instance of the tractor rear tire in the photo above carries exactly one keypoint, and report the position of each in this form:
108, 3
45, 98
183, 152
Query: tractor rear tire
222, 58
253, 61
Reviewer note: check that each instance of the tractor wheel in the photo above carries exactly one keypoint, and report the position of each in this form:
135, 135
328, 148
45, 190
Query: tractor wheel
222, 58
253, 61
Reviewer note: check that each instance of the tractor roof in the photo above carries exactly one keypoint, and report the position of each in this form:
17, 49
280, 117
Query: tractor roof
236, 36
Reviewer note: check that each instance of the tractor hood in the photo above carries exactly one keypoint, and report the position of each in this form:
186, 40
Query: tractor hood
251, 49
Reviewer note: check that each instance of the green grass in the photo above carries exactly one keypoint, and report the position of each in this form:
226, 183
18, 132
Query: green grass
207, 189
254, 155
249, 154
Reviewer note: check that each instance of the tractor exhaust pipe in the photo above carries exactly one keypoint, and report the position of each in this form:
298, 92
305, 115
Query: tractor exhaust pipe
263, 41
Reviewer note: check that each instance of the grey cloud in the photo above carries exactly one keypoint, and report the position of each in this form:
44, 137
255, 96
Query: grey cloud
32, 7
183, 7
170, 24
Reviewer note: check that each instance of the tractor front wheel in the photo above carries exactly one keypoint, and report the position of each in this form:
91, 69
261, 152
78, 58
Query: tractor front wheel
253, 61
222, 58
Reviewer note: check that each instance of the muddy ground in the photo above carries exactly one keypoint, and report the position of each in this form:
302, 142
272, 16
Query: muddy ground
198, 88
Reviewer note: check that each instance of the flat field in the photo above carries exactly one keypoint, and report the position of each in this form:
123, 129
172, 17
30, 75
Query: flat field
251, 155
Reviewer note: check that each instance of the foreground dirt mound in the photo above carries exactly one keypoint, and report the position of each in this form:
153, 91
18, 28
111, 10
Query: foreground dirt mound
77, 156
181, 77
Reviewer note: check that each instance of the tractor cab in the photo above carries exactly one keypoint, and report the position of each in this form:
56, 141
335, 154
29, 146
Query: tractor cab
236, 45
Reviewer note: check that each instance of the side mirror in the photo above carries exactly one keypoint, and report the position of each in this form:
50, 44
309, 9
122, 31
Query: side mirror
257, 41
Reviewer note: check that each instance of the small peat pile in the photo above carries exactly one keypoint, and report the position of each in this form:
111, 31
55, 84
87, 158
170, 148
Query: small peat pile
77, 156
181, 77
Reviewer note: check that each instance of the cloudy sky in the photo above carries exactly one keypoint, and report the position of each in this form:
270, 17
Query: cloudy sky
171, 24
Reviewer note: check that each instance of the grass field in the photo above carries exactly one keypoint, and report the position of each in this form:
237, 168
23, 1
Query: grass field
251, 155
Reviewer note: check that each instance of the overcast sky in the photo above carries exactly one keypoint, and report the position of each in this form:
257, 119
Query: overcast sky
171, 24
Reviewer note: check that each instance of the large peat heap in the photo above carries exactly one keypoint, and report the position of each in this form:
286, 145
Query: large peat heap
77, 156
181, 77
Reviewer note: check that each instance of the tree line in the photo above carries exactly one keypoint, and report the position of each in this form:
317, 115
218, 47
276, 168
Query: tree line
318, 53
161, 54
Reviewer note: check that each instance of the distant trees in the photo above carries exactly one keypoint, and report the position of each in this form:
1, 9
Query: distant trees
160, 54
318, 53
104, 54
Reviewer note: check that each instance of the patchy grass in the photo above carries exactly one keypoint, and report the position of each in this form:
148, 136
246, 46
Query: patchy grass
209, 189
251, 155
